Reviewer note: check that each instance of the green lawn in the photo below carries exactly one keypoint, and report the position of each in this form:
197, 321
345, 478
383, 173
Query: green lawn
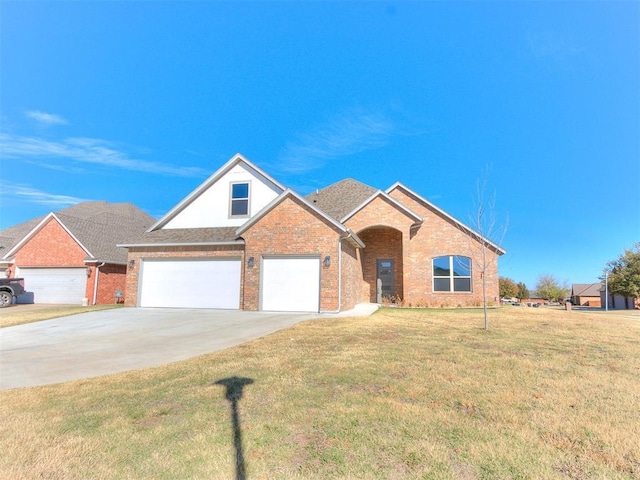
544, 394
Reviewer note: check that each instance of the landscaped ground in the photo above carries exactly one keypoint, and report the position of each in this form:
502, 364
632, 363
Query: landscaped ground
545, 394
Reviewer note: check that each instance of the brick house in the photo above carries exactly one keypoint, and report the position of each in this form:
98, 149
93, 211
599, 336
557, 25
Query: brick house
70, 256
241, 240
586, 294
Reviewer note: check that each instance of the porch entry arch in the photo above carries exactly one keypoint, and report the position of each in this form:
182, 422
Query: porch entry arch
382, 263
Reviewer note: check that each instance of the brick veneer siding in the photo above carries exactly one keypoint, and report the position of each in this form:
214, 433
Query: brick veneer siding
386, 230
351, 282
110, 278
51, 246
382, 243
137, 254
291, 228
439, 236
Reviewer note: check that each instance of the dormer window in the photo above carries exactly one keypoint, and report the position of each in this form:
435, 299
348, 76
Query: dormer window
239, 203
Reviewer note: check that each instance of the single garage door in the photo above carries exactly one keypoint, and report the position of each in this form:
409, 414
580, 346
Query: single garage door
55, 285
290, 284
190, 283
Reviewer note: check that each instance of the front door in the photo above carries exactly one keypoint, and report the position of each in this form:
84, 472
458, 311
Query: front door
385, 280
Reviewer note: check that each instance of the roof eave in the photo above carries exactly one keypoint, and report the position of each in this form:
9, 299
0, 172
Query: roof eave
354, 238
98, 260
180, 244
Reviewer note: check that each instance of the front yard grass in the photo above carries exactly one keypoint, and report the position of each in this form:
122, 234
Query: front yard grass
401, 394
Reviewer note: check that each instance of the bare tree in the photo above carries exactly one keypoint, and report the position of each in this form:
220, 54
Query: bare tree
485, 235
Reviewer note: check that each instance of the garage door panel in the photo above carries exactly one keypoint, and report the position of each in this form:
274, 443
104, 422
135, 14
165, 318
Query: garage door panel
190, 283
290, 284
55, 285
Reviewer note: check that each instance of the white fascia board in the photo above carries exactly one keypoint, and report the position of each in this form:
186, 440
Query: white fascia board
445, 214
236, 159
351, 235
37, 228
276, 201
387, 197
176, 244
104, 262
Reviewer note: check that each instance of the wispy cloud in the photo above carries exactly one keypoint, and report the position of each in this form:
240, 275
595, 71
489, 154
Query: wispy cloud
46, 118
349, 133
32, 195
86, 151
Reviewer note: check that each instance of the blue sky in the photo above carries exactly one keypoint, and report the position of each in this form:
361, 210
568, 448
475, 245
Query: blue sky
141, 101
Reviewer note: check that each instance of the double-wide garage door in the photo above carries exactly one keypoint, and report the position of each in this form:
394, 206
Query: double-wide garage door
287, 284
190, 283
290, 284
55, 285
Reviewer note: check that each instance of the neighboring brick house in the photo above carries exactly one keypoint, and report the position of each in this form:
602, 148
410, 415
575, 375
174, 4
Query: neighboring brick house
70, 256
241, 240
586, 294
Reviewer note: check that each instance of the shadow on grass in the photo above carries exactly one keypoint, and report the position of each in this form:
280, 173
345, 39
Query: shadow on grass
233, 393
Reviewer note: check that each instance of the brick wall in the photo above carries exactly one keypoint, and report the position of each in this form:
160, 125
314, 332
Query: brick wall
382, 243
110, 278
139, 253
439, 236
291, 228
385, 231
351, 283
51, 246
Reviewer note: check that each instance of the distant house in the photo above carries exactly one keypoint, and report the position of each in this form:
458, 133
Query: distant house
70, 256
586, 294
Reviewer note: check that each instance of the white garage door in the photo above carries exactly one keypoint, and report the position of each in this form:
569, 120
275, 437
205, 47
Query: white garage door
55, 285
190, 283
290, 284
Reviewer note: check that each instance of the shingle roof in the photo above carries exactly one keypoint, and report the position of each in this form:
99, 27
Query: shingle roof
341, 198
10, 236
586, 289
188, 235
98, 226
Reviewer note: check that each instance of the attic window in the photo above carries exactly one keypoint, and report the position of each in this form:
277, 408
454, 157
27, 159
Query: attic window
239, 205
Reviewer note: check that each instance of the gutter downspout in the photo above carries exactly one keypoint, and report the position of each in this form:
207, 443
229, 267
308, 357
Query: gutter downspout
95, 284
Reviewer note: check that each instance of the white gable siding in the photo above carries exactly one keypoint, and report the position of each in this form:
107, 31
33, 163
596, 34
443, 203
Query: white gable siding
211, 207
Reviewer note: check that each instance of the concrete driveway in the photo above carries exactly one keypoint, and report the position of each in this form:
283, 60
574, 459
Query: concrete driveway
110, 341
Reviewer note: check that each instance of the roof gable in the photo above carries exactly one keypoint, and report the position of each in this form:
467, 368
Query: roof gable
385, 196
290, 193
431, 206
208, 205
95, 226
50, 217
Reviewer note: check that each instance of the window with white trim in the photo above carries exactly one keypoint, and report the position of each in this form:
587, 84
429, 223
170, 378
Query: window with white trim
452, 273
239, 202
